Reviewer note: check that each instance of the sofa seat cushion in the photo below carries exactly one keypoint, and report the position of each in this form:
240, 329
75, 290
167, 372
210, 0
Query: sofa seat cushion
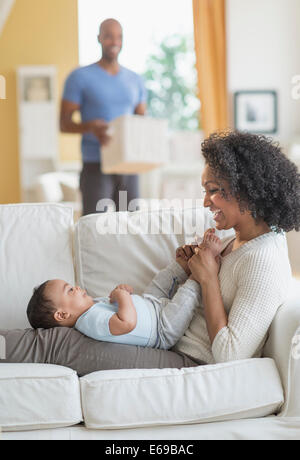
131, 398
38, 396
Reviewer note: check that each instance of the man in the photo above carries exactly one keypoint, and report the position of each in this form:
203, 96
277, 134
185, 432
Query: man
102, 92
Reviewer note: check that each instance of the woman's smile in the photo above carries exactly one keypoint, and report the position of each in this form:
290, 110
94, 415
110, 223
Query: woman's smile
217, 215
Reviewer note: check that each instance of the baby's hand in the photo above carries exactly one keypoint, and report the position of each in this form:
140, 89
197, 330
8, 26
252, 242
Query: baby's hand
120, 290
125, 287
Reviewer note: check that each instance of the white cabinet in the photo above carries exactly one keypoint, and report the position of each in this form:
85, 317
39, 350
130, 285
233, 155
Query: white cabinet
38, 124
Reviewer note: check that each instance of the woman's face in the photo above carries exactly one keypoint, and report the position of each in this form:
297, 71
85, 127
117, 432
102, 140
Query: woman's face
226, 212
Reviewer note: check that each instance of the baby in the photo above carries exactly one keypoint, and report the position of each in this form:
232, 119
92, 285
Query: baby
158, 318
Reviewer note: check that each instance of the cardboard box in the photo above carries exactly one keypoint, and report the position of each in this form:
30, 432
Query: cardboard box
139, 144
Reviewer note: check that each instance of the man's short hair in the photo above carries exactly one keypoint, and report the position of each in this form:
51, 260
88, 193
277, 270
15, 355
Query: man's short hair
108, 21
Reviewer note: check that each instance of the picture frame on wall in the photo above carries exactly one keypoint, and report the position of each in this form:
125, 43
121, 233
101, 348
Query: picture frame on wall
256, 111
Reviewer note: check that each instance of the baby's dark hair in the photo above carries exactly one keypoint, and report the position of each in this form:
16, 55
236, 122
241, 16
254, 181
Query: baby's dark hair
41, 309
259, 175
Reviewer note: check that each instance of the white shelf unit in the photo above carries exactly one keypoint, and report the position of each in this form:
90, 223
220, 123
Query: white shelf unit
38, 124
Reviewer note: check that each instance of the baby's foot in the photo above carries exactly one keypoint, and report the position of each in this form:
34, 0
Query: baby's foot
212, 241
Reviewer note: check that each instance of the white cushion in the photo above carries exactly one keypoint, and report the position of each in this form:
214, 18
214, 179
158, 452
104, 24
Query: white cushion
35, 246
138, 144
130, 398
57, 186
130, 247
47, 188
114, 248
38, 396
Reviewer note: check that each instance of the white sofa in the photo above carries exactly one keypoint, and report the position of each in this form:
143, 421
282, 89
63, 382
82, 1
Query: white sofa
249, 399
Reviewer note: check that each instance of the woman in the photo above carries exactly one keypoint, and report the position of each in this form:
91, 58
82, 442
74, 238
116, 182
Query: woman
250, 186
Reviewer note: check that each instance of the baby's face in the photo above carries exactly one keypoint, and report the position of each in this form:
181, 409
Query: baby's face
69, 299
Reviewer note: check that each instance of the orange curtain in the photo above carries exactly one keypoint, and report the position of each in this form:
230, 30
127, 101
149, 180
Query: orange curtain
210, 48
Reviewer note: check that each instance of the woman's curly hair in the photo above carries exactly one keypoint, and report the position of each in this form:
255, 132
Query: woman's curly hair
259, 176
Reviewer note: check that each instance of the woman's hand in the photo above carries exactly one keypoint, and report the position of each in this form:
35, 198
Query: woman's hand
203, 265
205, 268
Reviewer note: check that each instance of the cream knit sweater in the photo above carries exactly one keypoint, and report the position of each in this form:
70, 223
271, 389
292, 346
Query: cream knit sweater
254, 281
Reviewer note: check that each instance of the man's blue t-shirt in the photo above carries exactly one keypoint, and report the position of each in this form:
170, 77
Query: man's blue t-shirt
102, 95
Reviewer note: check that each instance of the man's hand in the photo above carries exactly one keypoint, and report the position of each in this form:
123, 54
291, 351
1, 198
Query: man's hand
98, 127
100, 130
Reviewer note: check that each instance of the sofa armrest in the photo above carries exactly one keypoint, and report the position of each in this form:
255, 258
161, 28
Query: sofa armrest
283, 345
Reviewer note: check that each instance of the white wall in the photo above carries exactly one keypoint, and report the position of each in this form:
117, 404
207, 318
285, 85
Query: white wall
263, 39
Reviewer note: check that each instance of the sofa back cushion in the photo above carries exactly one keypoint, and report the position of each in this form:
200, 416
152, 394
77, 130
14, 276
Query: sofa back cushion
114, 248
130, 247
35, 246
